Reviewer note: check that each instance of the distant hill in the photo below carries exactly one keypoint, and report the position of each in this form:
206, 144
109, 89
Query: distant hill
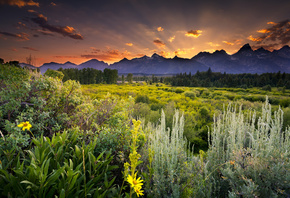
245, 60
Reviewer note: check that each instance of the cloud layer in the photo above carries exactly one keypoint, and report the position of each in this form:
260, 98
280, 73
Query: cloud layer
277, 34
19, 3
21, 36
42, 21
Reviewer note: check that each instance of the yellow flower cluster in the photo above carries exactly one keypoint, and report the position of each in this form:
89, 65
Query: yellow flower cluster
134, 157
25, 125
136, 184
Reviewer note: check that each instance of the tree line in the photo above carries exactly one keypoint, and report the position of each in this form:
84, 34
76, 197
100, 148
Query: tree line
218, 79
90, 75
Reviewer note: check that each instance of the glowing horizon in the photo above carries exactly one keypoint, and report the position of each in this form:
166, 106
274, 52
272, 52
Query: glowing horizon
74, 31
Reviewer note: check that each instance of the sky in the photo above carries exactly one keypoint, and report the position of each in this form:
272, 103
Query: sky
110, 30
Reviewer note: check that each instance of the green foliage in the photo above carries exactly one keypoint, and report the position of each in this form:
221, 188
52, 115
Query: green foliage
90, 75
267, 88
110, 76
285, 102
217, 79
130, 78
74, 134
190, 94
54, 74
60, 166
142, 98
43, 101
286, 118
178, 90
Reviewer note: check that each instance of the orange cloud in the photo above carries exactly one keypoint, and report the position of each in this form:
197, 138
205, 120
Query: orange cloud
159, 43
263, 31
41, 20
186, 51
254, 39
213, 45
129, 44
277, 34
19, 3
69, 29
21, 36
164, 54
228, 43
53, 4
193, 33
22, 24
160, 29
171, 39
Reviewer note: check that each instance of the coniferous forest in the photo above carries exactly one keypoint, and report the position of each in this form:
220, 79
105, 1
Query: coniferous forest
86, 133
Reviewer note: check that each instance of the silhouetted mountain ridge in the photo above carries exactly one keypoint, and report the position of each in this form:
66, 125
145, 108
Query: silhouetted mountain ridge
245, 60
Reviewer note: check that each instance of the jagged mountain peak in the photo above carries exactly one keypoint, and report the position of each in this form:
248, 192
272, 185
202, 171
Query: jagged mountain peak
155, 55
222, 52
245, 47
261, 49
244, 61
285, 48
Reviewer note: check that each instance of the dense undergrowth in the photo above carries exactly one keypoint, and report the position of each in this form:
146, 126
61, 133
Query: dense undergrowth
84, 142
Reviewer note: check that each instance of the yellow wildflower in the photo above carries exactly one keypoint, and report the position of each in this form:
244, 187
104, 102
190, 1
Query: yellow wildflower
139, 191
135, 183
25, 125
232, 162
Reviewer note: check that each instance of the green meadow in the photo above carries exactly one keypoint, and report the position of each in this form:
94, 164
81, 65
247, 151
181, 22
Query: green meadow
63, 139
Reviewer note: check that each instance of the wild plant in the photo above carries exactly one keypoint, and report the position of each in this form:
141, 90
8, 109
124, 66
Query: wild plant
171, 164
61, 166
249, 155
130, 173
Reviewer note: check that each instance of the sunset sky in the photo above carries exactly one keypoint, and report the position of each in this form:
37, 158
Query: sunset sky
109, 30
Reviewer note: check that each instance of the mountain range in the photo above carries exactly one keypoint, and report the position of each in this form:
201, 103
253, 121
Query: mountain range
245, 60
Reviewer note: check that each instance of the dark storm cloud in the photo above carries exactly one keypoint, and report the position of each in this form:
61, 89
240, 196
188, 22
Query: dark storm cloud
19, 3
279, 33
21, 36
42, 21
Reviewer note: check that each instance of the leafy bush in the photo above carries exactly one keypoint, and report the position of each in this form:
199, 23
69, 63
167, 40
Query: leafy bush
267, 88
179, 90
142, 98
285, 102
54, 74
43, 101
190, 94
